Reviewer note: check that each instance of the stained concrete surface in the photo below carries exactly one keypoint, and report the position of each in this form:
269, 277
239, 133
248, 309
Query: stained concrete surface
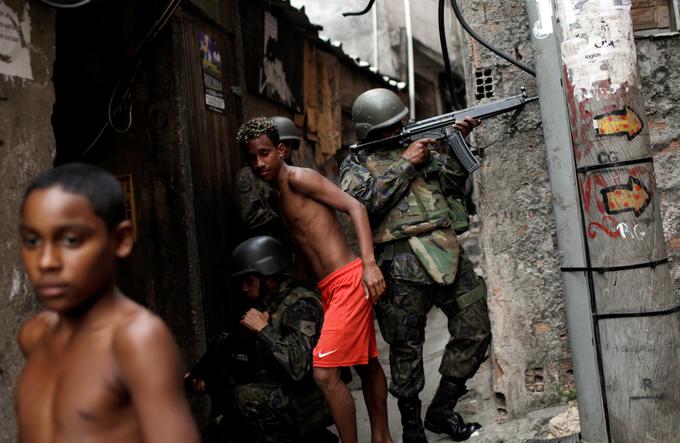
477, 405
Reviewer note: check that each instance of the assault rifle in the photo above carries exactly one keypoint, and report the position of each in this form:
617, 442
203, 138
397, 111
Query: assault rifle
439, 127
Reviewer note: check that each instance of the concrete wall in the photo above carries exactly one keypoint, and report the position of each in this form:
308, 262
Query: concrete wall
530, 349
659, 67
26, 147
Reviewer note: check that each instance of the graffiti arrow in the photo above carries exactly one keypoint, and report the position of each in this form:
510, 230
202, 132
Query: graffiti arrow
618, 123
624, 198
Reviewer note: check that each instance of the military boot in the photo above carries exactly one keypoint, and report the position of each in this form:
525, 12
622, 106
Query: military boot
441, 418
411, 422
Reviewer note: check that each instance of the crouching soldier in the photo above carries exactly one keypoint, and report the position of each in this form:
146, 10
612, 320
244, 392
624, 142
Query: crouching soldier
278, 401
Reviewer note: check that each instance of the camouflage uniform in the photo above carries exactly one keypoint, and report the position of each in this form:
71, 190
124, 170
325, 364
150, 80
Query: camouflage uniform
414, 214
283, 401
253, 202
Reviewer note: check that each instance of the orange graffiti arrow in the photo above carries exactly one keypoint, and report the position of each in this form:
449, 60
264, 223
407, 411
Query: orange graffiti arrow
629, 197
621, 122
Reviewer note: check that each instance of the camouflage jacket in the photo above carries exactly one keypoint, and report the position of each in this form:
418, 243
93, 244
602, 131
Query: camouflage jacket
253, 205
409, 204
283, 349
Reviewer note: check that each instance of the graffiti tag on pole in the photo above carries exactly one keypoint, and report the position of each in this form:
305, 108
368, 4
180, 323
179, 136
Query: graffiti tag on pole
622, 122
631, 197
615, 201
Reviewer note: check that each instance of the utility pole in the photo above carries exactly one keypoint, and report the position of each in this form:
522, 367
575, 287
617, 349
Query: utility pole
623, 319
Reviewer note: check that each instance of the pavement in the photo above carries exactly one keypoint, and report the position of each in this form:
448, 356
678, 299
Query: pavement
477, 405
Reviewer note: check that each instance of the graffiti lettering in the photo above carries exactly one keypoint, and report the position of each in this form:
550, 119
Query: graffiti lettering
607, 157
637, 233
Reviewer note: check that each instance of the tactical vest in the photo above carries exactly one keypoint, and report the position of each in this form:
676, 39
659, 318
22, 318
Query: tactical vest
422, 216
421, 209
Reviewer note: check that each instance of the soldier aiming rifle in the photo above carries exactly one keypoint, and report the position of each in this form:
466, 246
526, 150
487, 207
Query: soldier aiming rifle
414, 196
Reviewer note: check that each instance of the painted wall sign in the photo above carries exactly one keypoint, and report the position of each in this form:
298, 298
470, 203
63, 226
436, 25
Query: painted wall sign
622, 122
15, 40
211, 64
273, 79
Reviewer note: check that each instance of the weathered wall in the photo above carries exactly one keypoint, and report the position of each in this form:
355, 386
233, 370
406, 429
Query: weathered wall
26, 147
530, 350
659, 67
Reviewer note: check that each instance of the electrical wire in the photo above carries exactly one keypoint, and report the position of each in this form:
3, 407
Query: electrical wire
63, 6
365, 11
473, 34
124, 104
445, 51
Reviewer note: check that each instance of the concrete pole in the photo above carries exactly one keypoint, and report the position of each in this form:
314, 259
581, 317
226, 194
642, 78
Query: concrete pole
623, 317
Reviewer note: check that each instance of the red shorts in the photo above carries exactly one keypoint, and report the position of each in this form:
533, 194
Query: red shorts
348, 335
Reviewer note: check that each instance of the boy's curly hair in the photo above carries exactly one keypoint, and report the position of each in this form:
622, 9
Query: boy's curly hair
254, 128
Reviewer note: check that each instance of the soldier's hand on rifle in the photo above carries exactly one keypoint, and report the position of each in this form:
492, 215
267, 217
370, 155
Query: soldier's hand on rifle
255, 320
466, 126
418, 152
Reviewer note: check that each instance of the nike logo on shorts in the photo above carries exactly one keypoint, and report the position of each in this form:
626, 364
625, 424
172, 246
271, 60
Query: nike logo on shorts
323, 354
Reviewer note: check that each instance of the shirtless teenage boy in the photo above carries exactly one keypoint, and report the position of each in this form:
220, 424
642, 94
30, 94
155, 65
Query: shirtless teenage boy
99, 367
348, 284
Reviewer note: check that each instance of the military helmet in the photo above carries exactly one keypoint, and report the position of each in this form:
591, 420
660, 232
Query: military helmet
287, 129
261, 255
375, 109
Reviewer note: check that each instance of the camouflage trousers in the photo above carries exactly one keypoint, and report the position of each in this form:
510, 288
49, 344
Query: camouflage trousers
402, 316
268, 412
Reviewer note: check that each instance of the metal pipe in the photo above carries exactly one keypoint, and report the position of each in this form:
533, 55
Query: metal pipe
374, 16
409, 61
569, 232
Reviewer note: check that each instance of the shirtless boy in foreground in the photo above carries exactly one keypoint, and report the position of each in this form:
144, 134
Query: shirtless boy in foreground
99, 367
348, 285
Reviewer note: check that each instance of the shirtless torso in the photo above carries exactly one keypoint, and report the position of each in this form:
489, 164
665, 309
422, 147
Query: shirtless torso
308, 201
314, 226
94, 382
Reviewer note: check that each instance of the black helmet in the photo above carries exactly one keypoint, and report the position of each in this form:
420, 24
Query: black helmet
261, 255
287, 129
375, 109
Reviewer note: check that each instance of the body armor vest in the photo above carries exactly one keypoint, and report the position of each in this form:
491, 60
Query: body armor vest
421, 209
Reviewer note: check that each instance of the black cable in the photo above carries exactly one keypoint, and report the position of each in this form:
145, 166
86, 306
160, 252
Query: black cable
134, 66
445, 51
66, 6
476, 36
366, 9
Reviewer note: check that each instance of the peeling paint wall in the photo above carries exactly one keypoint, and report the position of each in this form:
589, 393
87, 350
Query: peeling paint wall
26, 147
